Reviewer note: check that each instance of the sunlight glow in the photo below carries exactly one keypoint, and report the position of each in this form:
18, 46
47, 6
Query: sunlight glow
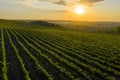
79, 10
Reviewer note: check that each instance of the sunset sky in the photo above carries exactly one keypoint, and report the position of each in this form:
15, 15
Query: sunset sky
95, 10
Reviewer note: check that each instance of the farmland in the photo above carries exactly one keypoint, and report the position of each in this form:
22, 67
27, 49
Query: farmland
42, 53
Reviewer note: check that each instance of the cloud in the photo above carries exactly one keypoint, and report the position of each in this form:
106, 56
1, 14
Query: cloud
63, 2
27, 2
60, 10
89, 2
58, 5
8, 3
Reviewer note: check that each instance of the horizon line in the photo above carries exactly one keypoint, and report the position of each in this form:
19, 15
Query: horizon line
63, 20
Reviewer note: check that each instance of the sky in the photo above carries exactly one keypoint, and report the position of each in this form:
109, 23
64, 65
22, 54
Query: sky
95, 10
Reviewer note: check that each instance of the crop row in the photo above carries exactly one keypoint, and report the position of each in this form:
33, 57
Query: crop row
98, 72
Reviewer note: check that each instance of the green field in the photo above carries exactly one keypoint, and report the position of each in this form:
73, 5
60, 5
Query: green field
29, 52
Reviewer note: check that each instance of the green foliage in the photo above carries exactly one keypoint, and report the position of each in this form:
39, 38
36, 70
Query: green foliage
43, 23
60, 54
4, 63
25, 72
118, 29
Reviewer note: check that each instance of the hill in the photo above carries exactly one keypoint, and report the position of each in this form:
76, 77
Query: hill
102, 27
37, 53
43, 23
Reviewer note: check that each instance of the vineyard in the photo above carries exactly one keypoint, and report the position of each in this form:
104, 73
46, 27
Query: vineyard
38, 53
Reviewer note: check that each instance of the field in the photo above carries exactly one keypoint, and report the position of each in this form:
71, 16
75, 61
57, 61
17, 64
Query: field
43, 53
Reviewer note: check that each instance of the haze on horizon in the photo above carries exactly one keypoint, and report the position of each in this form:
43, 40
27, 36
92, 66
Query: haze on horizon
95, 10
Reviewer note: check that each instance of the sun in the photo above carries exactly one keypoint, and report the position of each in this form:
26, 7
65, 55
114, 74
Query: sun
79, 10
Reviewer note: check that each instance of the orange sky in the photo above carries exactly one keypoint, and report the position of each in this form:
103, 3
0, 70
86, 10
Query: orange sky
101, 10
